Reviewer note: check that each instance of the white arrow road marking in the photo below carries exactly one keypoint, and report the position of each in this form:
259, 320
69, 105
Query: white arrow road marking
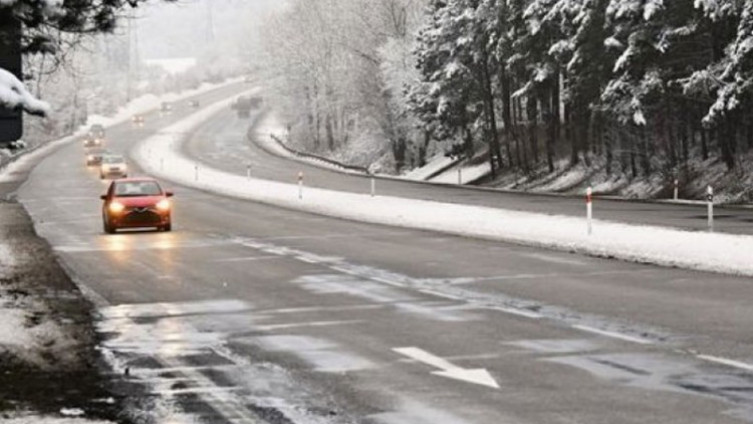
475, 376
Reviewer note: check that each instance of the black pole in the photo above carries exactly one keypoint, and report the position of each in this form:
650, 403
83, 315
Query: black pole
11, 120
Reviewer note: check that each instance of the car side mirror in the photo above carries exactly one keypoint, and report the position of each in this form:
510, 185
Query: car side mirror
103, 197
169, 194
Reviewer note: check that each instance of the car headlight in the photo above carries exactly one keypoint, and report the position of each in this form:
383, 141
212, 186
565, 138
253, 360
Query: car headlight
163, 205
116, 207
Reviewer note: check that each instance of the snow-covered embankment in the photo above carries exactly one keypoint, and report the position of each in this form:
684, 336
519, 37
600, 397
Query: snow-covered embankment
160, 155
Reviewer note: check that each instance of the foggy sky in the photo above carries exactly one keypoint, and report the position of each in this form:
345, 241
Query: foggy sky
190, 28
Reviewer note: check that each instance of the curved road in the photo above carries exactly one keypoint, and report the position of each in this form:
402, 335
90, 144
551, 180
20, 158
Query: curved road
221, 145
253, 314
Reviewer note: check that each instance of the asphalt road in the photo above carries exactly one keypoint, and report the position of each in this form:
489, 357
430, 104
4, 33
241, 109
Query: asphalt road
250, 313
220, 145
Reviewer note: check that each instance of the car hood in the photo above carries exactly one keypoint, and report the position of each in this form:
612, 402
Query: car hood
139, 202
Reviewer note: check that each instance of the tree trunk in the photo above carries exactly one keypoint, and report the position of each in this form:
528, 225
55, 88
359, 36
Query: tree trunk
532, 115
506, 112
330, 133
554, 122
494, 148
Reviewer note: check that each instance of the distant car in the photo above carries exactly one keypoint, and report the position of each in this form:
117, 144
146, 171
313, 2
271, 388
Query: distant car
194, 104
94, 156
97, 131
166, 108
113, 166
138, 120
136, 203
242, 106
91, 141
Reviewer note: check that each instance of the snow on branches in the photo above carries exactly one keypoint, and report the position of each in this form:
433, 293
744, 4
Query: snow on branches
14, 95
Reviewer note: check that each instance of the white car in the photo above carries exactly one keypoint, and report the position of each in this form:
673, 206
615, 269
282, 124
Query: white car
113, 167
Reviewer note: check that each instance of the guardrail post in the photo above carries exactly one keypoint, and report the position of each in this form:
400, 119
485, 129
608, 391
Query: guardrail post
710, 202
589, 209
677, 189
300, 185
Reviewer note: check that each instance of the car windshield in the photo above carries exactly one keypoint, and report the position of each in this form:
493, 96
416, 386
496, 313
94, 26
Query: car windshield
137, 188
114, 159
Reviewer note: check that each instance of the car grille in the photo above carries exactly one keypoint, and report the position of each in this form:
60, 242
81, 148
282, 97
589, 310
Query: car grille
141, 216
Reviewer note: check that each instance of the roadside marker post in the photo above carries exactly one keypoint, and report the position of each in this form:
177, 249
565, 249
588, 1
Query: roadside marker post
710, 202
373, 186
460, 176
300, 185
248, 171
677, 189
589, 209
196, 172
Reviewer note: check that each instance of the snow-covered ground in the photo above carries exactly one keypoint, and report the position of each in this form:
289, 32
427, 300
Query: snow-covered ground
270, 128
432, 167
36, 419
149, 102
657, 245
138, 105
468, 173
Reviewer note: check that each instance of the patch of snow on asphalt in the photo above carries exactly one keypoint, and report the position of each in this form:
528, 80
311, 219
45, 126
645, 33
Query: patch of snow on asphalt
652, 244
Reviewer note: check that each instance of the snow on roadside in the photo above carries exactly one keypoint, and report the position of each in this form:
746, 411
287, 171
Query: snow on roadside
13, 171
434, 165
469, 173
270, 128
658, 245
36, 419
149, 102
26, 340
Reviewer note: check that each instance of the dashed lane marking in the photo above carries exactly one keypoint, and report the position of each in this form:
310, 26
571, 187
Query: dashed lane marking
612, 334
274, 327
247, 259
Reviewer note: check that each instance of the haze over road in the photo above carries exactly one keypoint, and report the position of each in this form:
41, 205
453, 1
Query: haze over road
250, 313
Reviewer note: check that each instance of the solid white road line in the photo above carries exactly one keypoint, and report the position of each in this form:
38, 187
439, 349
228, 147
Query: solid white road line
727, 362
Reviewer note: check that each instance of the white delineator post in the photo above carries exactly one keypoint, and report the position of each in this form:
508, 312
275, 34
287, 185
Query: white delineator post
677, 189
460, 176
300, 185
373, 186
710, 202
248, 171
589, 209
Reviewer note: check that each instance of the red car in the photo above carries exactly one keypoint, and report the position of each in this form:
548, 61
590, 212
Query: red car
136, 203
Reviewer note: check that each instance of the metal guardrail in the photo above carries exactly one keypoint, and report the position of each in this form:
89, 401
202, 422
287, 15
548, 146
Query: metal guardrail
310, 156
